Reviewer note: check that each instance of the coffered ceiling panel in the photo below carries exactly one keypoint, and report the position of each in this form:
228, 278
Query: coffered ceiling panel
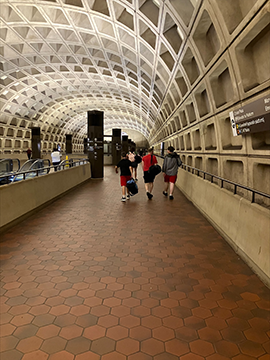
61, 58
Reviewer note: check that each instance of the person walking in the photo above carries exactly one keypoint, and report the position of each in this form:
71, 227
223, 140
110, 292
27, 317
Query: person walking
170, 167
147, 161
125, 175
29, 153
56, 158
134, 164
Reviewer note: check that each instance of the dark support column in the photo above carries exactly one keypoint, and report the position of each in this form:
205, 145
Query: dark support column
125, 143
116, 146
162, 149
95, 148
68, 144
36, 143
85, 145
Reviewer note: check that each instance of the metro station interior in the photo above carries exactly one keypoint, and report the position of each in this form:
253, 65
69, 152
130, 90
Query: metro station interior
85, 277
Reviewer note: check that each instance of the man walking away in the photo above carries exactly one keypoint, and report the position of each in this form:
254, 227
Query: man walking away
170, 167
147, 161
56, 158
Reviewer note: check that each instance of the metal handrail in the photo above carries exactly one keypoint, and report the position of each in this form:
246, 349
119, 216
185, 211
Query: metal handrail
34, 162
38, 171
222, 181
70, 162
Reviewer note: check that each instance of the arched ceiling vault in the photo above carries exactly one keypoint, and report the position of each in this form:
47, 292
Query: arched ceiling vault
60, 58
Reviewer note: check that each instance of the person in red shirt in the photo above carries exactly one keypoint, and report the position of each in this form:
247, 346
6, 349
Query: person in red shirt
29, 153
147, 161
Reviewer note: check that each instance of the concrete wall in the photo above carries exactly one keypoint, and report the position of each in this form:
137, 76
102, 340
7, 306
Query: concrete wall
245, 226
18, 199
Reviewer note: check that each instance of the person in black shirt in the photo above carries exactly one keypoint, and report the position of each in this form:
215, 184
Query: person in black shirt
125, 175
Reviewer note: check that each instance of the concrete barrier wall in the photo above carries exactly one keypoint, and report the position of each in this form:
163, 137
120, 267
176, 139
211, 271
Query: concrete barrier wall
20, 198
245, 226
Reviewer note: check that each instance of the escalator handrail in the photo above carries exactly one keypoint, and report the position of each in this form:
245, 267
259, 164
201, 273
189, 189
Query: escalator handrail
28, 161
37, 171
33, 162
38, 161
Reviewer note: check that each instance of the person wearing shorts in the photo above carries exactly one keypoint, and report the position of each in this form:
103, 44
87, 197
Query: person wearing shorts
132, 157
170, 169
125, 175
147, 161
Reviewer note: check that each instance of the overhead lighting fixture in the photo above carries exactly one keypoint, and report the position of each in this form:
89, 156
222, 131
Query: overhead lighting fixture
156, 2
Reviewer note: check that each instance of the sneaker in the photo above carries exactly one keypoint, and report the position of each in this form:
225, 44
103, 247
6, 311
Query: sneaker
128, 197
171, 197
123, 199
149, 195
165, 193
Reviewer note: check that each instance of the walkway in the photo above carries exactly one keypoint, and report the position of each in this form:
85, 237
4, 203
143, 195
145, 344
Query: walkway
91, 278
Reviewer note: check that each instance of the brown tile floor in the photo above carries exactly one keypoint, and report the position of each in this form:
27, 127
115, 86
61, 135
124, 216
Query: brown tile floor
91, 278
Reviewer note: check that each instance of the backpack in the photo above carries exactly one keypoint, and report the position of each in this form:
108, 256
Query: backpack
154, 169
138, 159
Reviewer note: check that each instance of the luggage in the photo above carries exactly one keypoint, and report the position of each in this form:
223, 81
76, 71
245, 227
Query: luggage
132, 187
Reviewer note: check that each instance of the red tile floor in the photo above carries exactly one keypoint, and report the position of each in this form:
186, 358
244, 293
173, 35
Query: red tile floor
91, 278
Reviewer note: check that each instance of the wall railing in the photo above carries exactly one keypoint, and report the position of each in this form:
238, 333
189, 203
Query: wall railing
27, 174
221, 181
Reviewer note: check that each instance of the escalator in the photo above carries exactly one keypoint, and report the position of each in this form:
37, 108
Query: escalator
8, 167
10, 170
39, 166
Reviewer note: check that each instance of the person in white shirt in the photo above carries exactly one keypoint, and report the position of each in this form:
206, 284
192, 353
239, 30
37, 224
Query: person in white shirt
56, 158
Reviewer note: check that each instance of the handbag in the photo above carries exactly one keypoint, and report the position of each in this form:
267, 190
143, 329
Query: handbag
154, 169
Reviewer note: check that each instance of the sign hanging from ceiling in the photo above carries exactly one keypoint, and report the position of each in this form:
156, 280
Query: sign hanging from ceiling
251, 118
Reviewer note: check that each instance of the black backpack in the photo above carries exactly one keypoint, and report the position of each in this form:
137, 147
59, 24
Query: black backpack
138, 159
154, 169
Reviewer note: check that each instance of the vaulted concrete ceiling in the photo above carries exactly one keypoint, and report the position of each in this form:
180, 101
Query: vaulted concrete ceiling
60, 58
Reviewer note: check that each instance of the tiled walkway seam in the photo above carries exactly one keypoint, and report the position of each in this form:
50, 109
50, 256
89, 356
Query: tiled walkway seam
92, 278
